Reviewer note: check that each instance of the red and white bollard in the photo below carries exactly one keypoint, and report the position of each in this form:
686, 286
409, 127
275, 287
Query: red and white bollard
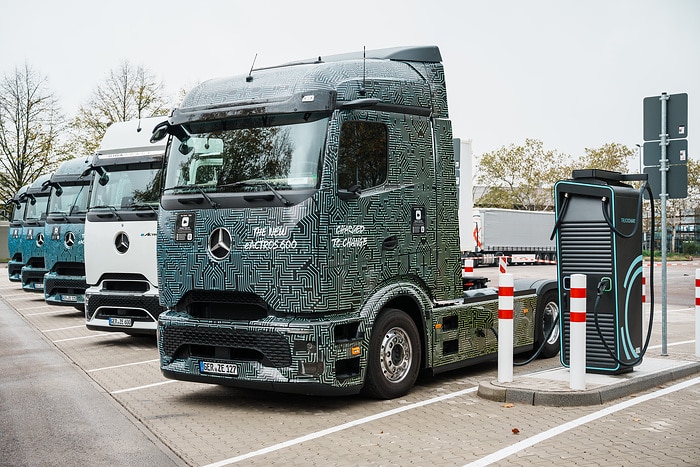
505, 328
697, 313
468, 266
577, 331
644, 291
502, 264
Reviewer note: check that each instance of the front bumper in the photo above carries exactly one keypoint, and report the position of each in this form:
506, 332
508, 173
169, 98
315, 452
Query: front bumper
111, 310
64, 290
33, 279
282, 354
14, 270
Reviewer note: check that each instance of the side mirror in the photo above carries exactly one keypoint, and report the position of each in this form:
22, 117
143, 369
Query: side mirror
159, 132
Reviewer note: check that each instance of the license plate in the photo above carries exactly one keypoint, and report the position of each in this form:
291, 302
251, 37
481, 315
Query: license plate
122, 322
218, 368
69, 298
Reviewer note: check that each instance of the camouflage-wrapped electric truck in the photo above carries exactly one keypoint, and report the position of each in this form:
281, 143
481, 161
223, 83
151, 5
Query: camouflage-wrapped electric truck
308, 235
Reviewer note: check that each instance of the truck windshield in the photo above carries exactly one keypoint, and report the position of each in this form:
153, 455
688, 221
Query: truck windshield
127, 189
18, 212
73, 200
38, 209
248, 158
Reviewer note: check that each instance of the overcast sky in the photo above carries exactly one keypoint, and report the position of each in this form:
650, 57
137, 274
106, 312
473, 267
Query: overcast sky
570, 73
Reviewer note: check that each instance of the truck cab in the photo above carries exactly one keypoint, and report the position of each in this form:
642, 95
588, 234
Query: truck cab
15, 234
32, 273
120, 230
319, 251
64, 234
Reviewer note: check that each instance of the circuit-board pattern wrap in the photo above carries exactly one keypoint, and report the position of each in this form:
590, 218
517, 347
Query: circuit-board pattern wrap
321, 260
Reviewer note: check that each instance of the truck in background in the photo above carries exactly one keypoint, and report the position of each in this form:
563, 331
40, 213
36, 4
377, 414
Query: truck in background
32, 273
64, 255
308, 237
15, 233
522, 237
120, 230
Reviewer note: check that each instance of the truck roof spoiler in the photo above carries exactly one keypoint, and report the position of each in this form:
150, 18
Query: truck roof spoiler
429, 54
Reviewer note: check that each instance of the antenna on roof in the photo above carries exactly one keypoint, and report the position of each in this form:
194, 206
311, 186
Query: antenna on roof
249, 78
363, 89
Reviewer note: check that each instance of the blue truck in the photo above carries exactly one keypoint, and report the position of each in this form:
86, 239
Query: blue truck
64, 234
17, 204
32, 273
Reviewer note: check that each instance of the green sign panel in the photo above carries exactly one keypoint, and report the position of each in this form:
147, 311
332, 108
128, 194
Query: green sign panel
676, 117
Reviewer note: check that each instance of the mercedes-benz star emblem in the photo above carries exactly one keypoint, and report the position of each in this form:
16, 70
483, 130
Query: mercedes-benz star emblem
69, 239
121, 242
219, 243
40, 239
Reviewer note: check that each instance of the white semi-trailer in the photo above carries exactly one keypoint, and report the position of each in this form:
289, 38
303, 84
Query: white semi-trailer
522, 237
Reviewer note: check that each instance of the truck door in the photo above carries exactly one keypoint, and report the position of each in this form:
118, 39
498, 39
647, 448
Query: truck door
381, 223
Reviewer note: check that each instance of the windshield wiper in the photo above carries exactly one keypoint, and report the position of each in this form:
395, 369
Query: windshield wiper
59, 213
259, 182
211, 202
112, 208
142, 206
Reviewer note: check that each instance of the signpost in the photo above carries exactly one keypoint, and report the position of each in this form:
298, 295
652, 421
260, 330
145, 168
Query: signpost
665, 128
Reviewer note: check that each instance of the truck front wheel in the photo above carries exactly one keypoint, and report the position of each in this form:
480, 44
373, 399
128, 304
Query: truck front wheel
394, 355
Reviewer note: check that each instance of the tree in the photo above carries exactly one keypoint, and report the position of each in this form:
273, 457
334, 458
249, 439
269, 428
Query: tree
127, 93
614, 157
521, 177
30, 124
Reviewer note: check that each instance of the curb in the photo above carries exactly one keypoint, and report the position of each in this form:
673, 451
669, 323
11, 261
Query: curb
519, 392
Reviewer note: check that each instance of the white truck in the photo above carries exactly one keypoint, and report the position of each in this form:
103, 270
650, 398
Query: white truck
120, 230
522, 237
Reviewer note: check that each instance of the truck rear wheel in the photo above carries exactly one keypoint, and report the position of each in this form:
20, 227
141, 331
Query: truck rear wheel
547, 315
394, 355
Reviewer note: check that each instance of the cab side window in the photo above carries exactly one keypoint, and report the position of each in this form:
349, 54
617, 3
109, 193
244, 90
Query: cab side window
362, 155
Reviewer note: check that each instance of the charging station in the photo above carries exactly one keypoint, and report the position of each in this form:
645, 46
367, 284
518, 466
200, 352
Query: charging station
599, 234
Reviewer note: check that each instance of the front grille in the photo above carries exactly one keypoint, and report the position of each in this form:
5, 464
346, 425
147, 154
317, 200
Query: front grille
64, 285
221, 305
273, 347
70, 269
33, 275
36, 262
124, 306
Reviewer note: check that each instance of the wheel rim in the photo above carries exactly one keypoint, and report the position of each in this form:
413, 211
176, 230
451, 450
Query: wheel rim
551, 312
396, 355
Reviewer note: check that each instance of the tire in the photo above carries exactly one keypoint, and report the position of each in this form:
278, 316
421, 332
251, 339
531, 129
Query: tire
547, 313
394, 355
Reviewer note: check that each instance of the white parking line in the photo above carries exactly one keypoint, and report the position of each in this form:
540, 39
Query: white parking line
671, 344
144, 387
529, 442
84, 337
121, 366
63, 329
54, 312
344, 426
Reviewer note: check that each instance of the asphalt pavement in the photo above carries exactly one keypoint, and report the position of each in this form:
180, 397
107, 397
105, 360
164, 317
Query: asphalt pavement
52, 414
